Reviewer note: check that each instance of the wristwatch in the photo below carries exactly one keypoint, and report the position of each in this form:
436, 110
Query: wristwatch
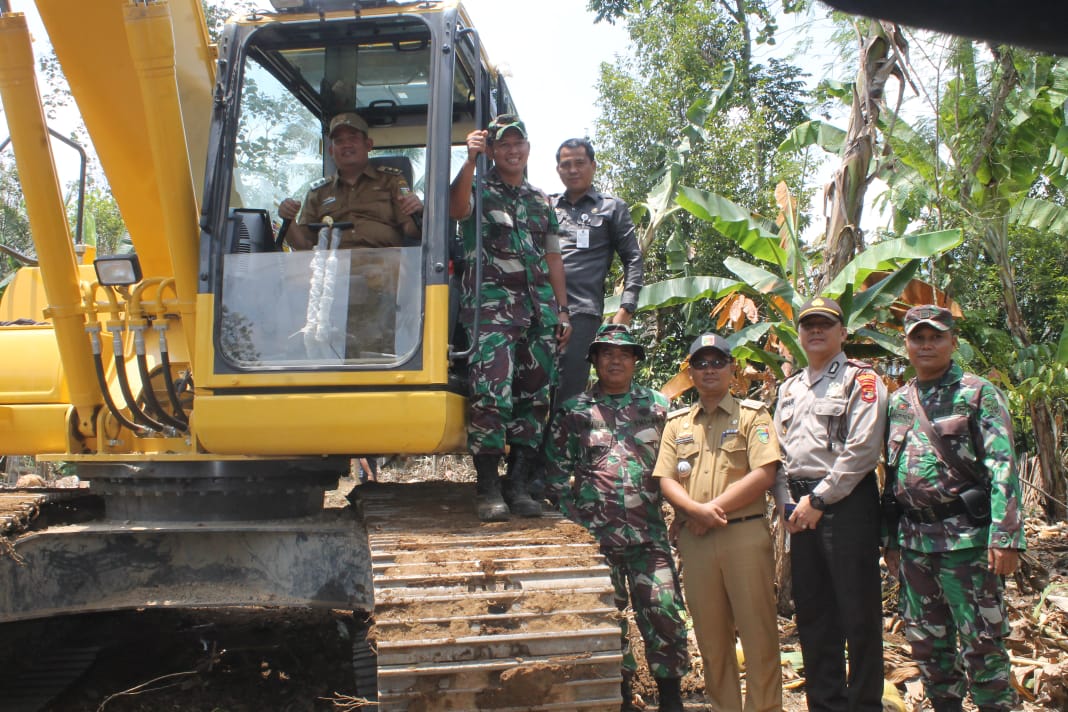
816, 502
562, 309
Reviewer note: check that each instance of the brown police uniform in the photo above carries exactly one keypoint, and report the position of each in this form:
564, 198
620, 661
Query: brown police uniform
729, 571
371, 204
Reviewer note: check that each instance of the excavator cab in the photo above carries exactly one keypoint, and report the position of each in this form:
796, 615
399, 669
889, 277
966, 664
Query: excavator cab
377, 322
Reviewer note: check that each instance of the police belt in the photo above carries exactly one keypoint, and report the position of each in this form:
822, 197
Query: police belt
936, 512
800, 488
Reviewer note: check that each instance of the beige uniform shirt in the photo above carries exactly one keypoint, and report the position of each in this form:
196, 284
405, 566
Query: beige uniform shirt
831, 424
371, 204
718, 448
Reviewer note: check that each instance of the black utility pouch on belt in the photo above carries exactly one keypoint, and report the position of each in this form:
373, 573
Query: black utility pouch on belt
976, 503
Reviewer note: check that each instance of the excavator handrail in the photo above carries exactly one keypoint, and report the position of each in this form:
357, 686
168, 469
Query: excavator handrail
80, 218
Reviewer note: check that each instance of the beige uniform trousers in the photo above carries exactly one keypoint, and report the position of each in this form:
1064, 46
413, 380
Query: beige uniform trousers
728, 580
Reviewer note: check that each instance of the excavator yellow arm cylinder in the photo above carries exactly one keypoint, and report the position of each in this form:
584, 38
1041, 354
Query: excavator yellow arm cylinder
47, 215
151, 40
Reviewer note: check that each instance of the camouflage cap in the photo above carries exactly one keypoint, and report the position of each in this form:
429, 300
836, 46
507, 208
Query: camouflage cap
350, 119
502, 123
710, 341
615, 335
821, 306
933, 316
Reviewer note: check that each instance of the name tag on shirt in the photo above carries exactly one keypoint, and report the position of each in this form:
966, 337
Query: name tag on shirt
582, 238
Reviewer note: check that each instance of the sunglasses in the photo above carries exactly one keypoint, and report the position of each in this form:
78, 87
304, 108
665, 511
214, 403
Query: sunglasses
706, 363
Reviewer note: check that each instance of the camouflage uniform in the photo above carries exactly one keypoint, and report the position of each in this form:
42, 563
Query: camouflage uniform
947, 589
371, 204
514, 367
609, 442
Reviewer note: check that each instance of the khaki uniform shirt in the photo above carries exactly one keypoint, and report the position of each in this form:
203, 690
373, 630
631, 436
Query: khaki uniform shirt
371, 204
719, 448
831, 424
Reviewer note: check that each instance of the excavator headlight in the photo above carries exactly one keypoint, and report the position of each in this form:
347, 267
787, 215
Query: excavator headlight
118, 270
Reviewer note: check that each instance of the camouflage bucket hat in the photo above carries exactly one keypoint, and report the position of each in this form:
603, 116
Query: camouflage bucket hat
615, 335
502, 123
933, 316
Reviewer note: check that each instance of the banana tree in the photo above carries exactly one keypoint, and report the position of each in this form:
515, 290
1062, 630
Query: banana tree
779, 278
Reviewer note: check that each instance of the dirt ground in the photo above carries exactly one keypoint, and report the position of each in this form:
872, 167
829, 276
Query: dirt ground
292, 661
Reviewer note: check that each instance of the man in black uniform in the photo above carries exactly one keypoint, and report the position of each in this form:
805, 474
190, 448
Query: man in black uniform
594, 226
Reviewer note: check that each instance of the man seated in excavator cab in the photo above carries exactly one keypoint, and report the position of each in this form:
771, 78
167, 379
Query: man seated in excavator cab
376, 199
381, 210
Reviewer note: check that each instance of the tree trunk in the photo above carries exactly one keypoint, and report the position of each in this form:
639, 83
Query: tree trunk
996, 244
881, 57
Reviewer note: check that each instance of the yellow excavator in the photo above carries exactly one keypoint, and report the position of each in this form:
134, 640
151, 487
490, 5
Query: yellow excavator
209, 386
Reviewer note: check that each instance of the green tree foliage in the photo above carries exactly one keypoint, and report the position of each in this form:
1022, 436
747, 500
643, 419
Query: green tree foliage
683, 51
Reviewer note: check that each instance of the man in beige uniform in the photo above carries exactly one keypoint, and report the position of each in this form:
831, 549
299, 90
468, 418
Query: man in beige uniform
376, 199
717, 460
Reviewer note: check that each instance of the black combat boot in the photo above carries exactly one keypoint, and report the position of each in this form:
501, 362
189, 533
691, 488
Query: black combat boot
491, 507
947, 704
669, 690
515, 483
627, 689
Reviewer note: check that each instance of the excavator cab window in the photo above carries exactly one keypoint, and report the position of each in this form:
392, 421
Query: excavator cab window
347, 304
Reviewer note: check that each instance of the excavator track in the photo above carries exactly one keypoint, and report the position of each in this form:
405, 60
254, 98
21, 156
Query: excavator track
473, 616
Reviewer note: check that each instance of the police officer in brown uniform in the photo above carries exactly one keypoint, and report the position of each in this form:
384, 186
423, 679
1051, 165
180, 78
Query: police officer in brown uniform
377, 200
831, 420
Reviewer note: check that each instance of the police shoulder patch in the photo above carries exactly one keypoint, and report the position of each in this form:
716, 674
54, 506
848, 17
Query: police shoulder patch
320, 183
389, 170
866, 379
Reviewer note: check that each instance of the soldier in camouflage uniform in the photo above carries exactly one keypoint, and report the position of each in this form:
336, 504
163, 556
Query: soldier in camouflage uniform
522, 314
951, 551
607, 439
717, 460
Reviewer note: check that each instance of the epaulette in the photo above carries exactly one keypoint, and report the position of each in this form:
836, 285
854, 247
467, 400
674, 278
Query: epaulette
752, 403
858, 364
680, 411
390, 170
320, 183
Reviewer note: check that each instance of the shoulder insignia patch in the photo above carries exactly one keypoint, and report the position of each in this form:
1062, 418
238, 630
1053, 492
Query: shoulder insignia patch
389, 170
320, 183
762, 433
866, 381
751, 403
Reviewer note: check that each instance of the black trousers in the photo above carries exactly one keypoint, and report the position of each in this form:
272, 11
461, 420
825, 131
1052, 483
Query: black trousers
838, 598
574, 368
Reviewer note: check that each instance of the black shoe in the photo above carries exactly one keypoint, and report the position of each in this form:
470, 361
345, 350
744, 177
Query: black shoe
669, 690
515, 483
947, 704
490, 505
